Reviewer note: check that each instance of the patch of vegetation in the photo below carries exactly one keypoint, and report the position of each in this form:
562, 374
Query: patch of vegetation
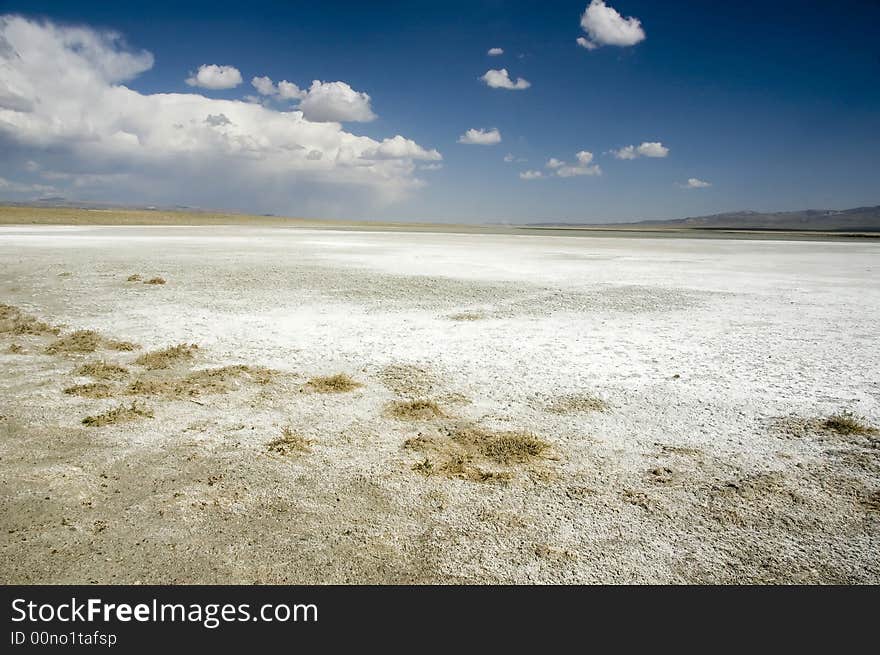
101, 371
118, 414
505, 447
575, 403
90, 390
847, 423
155, 280
339, 383
205, 381
15, 349
14, 321
473, 453
86, 341
167, 357
134, 278
288, 443
414, 410
467, 316
81, 341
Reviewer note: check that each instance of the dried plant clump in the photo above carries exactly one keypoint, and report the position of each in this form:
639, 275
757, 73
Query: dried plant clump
167, 357
467, 316
576, 403
846, 423
289, 443
205, 381
80, 341
476, 454
414, 410
505, 447
101, 371
155, 280
134, 278
90, 390
339, 383
86, 341
14, 321
15, 349
118, 414
122, 346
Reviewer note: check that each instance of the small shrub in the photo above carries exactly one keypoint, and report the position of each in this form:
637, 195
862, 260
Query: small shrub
119, 414
166, 357
414, 410
847, 423
289, 442
339, 383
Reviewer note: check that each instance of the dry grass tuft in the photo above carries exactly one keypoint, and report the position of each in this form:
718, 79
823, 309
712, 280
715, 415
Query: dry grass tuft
167, 357
90, 390
339, 383
81, 341
467, 316
476, 454
119, 414
288, 443
134, 278
155, 280
575, 403
505, 447
15, 349
414, 410
14, 321
86, 341
101, 371
205, 381
123, 346
847, 423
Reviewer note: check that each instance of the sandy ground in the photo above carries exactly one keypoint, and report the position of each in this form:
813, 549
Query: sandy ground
676, 391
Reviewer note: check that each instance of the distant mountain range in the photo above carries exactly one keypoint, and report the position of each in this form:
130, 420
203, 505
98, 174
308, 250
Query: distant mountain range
860, 219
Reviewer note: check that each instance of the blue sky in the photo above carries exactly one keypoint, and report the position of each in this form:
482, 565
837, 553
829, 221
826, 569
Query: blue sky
774, 105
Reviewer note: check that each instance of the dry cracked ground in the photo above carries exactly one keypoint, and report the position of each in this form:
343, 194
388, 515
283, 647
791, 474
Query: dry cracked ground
241, 405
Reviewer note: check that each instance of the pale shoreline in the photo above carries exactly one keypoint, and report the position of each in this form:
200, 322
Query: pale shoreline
24, 215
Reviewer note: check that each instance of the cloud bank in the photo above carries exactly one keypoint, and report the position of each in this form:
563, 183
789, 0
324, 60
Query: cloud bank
65, 116
605, 26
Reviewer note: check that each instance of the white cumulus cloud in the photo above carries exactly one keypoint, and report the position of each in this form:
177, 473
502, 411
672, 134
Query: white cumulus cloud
481, 137
696, 183
500, 79
531, 175
605, 26
64, 109
584, 165
335, 101
214, 77
494, 52
645, 149
398, 147
264, 86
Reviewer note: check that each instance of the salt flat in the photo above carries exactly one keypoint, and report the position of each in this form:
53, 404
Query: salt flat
679, 390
